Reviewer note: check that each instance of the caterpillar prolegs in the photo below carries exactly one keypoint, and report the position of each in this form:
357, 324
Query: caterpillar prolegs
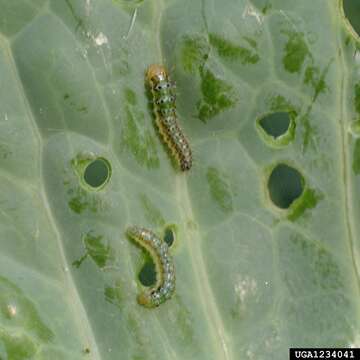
165, 112
165, 271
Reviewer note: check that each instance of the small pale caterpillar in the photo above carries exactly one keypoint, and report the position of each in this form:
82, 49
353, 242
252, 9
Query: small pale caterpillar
165, 112
165, 271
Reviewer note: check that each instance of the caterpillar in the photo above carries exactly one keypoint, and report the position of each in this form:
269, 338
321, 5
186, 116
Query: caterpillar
165, 271
165, 114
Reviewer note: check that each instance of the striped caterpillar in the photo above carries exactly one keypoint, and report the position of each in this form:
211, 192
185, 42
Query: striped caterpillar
165, 113
165, 271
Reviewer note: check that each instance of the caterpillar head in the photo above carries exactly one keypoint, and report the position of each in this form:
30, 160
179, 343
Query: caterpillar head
148, 299
156, 73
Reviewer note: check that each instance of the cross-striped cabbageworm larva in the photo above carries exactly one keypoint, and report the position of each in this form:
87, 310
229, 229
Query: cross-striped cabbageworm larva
164, 287
165, 112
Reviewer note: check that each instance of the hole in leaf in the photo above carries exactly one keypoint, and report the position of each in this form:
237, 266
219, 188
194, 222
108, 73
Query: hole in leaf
277, 129
276, 124
97, 173
285, 185
169, 235
352, 13
147, 275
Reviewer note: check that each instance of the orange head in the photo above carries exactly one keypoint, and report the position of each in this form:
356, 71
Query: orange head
156, 72
144, 299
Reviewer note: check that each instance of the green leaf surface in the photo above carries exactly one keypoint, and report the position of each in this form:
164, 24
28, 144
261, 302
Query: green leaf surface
263, 262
